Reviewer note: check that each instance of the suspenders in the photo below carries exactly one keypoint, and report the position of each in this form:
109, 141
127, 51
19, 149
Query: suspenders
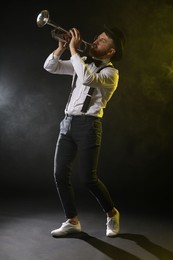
90, 93
87, 100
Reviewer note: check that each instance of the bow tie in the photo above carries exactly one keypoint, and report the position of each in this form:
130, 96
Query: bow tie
89, 59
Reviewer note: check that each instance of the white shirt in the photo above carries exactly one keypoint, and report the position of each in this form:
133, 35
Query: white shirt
105, 82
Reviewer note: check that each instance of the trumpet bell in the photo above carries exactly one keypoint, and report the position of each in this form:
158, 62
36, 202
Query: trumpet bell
43, 18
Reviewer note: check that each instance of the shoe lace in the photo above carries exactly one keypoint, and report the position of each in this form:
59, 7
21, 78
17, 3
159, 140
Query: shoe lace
65, 223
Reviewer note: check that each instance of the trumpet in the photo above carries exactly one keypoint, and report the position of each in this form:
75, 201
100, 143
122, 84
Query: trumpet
43, 18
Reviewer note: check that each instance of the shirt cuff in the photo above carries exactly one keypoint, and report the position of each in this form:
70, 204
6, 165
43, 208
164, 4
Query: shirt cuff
55, 57
75, 57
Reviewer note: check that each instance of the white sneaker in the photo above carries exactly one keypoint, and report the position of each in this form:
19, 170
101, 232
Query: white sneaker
66, 228
113, 225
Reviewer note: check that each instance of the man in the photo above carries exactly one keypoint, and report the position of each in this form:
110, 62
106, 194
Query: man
81, 128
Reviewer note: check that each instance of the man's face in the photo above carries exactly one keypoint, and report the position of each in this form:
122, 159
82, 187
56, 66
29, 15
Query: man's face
102, 46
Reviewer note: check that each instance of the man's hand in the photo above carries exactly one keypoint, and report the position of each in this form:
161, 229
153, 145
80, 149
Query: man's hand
75, 41
62, 44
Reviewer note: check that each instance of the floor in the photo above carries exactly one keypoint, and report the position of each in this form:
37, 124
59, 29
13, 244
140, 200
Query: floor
25, 226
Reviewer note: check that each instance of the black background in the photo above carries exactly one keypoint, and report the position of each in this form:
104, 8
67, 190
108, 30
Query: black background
136, 155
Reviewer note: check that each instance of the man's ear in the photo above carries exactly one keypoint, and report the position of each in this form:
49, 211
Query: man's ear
111, 52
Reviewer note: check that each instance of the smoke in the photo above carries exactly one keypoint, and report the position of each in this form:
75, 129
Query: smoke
27, 118
147, 76
139, 117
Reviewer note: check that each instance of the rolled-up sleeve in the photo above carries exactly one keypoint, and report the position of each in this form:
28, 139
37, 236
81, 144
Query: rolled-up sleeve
55, 65
107, 77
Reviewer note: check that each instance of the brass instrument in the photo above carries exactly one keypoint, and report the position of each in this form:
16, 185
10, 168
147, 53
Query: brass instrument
58, 32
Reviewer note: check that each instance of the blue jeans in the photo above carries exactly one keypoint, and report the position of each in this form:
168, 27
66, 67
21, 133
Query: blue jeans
79, 135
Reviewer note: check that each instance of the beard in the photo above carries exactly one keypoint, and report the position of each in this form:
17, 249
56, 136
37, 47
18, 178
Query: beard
97, 53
